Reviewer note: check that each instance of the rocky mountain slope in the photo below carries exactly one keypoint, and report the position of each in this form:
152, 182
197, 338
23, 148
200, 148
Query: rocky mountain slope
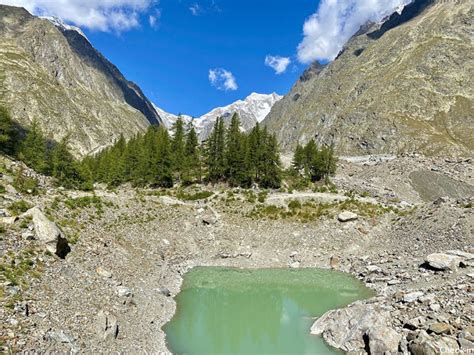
128, 250
402, 85
254, 108
50, 72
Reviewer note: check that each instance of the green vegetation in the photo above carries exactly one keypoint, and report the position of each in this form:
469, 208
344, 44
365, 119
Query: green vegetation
18, 207
200, 195
46, 157
155, 159
313, 163
2, 189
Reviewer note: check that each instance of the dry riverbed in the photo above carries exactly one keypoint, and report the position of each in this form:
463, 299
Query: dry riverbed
129, 249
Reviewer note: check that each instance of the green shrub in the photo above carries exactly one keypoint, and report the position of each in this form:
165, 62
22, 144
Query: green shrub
2, 189
294, 205
25, 184
201, 195
262, 196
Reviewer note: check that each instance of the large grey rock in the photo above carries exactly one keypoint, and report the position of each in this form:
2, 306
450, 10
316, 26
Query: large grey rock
347, 216
383, 340
210, 216
106, 325
443, 262
48, 233
347, 328
423, 344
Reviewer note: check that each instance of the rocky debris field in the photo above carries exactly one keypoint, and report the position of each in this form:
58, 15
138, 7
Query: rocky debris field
97, 272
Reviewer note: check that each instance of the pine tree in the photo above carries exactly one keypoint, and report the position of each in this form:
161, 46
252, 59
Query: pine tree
236, 169
255, 152
192, 166
63, 165
178, 146
215, 152
271, 172
8, 133
33, 149
163, 160
299, 159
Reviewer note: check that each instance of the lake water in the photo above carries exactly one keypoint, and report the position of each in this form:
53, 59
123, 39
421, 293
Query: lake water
257, 311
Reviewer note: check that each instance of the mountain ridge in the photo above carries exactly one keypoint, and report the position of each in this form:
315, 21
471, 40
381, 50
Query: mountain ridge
399, 86
52, 74
254, 108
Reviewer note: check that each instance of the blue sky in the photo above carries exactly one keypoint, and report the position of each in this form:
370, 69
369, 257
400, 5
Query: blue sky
171, 61
190, 56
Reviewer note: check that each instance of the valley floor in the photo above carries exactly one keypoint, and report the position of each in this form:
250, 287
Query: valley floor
130, 248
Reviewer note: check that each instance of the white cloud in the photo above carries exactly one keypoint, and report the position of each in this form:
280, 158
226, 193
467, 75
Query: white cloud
195, 9
153, 20
222, 79
279, 64
101, 15
335, 21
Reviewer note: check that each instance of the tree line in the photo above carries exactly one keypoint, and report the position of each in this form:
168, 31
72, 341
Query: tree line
159, 160
44, 156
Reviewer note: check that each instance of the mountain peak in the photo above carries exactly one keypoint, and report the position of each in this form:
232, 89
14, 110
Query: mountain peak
254, 108
59, 23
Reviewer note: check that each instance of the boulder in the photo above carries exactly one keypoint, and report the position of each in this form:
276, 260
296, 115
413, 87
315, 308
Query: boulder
443, 262
347, 216
210, 216
8, 220
48, 233
383, 340
106, 325
348, 328
423, 344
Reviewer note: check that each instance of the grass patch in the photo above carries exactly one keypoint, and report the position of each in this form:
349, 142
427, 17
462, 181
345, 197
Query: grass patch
2, 189
200, 195
19, 207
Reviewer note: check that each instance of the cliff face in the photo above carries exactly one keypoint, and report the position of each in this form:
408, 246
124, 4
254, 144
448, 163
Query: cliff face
52, 74
400, 86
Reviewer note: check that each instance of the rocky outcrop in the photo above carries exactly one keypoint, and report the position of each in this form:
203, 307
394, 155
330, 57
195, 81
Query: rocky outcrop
401, 86
54, 75
48, 233
358, 327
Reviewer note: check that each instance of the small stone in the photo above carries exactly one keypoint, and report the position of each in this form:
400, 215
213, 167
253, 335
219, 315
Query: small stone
412, 296
28, 235
435, 307
393, 282
164, 291
210, 216
104, 273
123, 291
106, 325
347, 216
334, 262
440, 328
295, 265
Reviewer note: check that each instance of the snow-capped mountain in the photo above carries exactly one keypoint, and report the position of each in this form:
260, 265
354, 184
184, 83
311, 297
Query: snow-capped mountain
63, 26
251, 110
